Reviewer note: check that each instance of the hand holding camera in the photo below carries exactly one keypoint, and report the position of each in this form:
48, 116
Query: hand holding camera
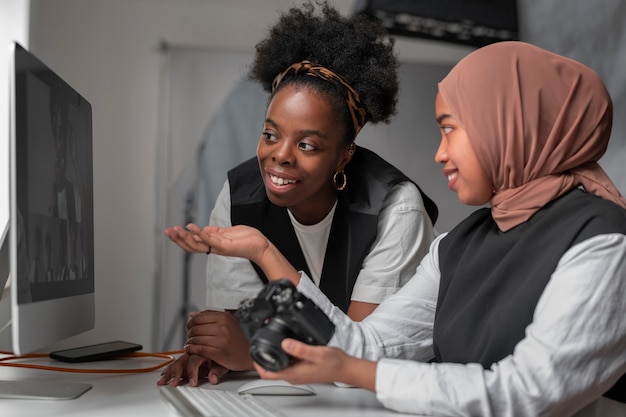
278, 312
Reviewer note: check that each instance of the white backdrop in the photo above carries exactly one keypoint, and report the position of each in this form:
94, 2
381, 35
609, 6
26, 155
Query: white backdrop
204, 121
594, 33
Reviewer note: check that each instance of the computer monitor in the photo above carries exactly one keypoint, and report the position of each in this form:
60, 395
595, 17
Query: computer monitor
48, 250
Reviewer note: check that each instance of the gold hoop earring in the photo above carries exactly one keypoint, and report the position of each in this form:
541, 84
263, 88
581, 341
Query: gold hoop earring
344, 180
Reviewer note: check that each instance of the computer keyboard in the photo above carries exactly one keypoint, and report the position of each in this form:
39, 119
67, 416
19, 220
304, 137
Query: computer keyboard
203, 402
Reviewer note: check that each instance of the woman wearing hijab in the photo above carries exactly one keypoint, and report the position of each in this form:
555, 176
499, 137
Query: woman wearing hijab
519, 310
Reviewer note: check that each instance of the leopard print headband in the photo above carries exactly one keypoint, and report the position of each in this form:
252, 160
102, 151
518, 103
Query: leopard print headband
357, 111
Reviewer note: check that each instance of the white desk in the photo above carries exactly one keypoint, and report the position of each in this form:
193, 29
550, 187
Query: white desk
137, 395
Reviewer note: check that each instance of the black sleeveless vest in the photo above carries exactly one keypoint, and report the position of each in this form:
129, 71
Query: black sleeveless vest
354, 225
491, 281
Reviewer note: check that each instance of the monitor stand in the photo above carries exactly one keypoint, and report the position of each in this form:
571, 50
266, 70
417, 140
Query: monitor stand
42, 390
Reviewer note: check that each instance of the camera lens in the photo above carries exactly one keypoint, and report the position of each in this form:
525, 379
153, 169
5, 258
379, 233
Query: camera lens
269, 357
265, 346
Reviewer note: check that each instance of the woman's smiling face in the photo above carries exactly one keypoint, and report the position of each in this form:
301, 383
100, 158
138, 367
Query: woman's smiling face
460, 165
301, 147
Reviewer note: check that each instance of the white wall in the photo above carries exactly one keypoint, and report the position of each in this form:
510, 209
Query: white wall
108, 50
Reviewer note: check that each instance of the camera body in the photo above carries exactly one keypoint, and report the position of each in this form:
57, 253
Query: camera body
279, 311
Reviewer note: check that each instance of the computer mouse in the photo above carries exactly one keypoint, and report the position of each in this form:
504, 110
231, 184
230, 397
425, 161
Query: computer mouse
274, 387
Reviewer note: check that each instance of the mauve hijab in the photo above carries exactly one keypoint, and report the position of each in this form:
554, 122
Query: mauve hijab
538, 122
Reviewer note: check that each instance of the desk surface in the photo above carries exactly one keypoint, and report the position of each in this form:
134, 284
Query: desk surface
137, 395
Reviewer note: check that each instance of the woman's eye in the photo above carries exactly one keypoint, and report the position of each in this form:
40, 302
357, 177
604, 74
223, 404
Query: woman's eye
268, 136
306, 146
446, 129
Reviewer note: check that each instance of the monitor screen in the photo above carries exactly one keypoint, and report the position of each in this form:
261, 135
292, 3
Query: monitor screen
50, 246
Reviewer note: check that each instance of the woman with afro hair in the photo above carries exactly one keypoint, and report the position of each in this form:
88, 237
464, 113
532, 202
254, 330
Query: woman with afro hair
357, 225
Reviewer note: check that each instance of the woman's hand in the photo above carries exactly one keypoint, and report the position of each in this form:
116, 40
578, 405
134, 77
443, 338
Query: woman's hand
239, 241
214, 346
186, 239
217, 336
185, 367
321, 364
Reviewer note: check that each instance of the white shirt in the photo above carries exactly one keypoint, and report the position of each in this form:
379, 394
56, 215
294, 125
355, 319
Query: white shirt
404, 235
313, 240
573, 352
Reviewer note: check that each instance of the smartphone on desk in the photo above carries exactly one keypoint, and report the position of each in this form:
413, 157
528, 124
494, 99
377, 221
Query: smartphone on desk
97, 352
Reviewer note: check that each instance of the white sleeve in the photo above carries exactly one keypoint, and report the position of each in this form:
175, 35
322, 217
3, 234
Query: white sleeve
404, 234
228, 279
573, 352
401, 326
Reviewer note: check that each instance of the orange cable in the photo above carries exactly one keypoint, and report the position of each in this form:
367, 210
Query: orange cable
162, 355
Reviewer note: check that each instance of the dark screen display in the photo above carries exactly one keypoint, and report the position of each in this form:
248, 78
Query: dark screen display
54, 185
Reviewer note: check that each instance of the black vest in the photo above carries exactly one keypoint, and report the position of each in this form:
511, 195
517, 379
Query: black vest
354, 225
491, 281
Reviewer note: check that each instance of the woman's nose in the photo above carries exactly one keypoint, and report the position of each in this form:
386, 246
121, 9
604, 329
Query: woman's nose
441, 156
283, 153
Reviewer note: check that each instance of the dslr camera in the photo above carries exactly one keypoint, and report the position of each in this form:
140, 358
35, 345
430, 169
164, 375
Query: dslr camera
279, 311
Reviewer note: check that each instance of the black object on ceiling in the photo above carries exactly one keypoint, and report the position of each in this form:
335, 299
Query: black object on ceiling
468, 22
